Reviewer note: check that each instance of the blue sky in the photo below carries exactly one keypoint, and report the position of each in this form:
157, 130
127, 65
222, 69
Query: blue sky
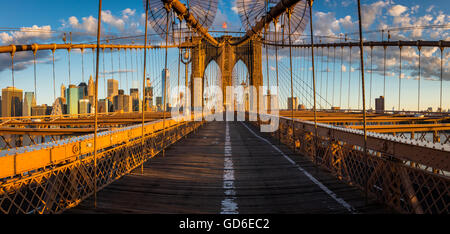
331, 18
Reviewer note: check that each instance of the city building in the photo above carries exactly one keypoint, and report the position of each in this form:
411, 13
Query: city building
82, 90
103, 105
83, 106
12, 99
28, 102
72, 97
379, 105
59, 108
335, 108
159, 103
292, 103
301, 107
113, 88
41, 110
63, 92
122, 102
91, 87
148, 95
134, 93
165, 85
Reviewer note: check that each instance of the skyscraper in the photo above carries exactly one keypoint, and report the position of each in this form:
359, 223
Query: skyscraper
113, 88
122, 102
12, 101
63, 93
72, 95
103, 106
292, 103
82, 90
58, 107
83, 106
118, 101
134, 93
159, 103
91, 87
41, 110
28, 102
165, 85
148, 95
379, 105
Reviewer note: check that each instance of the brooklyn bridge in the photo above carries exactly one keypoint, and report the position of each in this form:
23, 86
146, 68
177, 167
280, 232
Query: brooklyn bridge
273, 118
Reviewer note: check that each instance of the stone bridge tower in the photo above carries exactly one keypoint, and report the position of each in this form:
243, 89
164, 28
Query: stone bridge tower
226, 56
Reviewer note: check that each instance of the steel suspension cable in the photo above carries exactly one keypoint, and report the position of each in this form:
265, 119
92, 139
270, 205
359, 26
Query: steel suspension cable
82, 64
342, 67
34, 63
289, 12
400, 79
143, 87
418, 80
371, 72
349, 77
314, 80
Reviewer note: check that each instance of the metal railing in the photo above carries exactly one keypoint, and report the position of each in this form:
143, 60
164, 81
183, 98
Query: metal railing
409, 176
64, 176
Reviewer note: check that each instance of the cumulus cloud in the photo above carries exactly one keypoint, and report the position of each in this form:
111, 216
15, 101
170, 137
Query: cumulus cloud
371, 12
115, 22
397, 10
27, 35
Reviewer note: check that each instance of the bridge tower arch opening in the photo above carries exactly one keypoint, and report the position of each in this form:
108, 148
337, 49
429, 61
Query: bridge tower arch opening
227, 55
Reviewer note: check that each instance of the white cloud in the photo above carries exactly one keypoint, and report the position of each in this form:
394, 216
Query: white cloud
397, 10
89, 24
27, 35
371, 12
108, 18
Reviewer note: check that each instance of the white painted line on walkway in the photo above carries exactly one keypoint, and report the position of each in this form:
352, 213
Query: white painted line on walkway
229, 204
312, 178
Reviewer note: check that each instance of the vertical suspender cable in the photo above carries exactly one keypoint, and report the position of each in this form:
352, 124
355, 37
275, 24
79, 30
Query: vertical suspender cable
371, 71
120, 73
326, 84
104, 76
289, 12
82, 64
349, 77
314, 80
13, 113
364, 94
384, 73
442, 52
126, 71
34, 63
342, 66
143, 85
400, 79
68, 52
96, 101
275, 22
54, 76
334, 72
418, 87
165, 79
